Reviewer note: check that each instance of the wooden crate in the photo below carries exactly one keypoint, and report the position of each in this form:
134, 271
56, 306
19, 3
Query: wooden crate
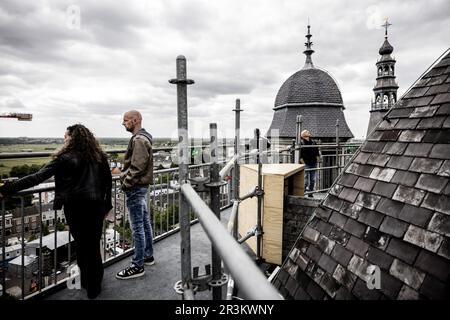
278, 180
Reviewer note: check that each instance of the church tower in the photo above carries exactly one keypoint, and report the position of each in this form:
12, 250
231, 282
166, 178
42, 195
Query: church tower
385, 89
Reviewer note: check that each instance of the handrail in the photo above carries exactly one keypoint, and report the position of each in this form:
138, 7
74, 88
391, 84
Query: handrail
250, 279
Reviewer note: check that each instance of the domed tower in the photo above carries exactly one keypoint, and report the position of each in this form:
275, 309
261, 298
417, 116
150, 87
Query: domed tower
385, 89
314, 94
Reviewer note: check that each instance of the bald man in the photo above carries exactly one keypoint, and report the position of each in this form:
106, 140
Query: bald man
136, 176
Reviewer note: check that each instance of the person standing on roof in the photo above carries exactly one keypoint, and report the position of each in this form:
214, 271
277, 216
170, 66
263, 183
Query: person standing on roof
136, 176
310, 156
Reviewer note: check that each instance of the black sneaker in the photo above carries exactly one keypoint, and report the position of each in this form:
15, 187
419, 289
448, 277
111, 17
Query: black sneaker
130, 272
149, 261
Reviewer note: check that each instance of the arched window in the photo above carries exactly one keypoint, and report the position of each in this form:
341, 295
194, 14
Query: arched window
385, 99
386, 70
380, 71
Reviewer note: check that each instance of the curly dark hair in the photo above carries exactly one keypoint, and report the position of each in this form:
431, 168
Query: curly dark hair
83, 142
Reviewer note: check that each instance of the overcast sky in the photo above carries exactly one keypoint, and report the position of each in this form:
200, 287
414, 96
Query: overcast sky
120, 55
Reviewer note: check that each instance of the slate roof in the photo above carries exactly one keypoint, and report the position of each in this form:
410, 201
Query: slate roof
390, 208
319, 120
307, 86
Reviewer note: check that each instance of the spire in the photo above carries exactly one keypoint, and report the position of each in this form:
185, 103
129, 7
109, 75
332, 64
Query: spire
308, 52
386, 48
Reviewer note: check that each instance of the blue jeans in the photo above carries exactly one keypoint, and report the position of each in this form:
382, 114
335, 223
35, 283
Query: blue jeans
140, 225
310, 177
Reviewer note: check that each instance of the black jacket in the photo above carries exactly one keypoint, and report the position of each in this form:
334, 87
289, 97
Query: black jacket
75, 180
309, 154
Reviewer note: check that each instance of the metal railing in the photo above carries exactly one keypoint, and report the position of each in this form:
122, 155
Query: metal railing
42, 269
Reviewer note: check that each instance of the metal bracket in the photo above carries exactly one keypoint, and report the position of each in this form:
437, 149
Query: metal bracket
220, 282
199, 184
178, 287
216, 184
203, 280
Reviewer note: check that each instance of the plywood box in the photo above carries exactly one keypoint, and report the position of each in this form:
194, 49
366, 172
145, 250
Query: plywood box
278, 180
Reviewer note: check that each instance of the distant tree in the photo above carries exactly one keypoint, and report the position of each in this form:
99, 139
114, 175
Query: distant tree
44, 229
160, 167
24, 170
60, 226
173, 165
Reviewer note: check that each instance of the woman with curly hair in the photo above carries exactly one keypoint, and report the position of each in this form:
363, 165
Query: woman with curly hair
83, 185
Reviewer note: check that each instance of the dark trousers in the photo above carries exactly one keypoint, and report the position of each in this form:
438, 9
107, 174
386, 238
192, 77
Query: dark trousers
86, 223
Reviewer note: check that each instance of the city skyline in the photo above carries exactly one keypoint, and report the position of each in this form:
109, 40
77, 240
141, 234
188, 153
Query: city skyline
117, 57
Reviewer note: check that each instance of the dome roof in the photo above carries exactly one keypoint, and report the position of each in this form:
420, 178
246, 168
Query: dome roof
386, 48
309, 86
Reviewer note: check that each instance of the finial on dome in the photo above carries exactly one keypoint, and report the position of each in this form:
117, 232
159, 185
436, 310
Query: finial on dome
308, 52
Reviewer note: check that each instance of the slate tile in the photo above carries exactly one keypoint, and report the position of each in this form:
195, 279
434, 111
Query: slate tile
355, 228
326, 263
423, 238
323, 213
376, 238
411, 136
378, 159
301, 294
367, 200
441, 98
400, 112
359, 266
310, 234
423, 112
440, 223
315, 291
393, 227
444, 109
314, 253
333, 202
372, 146
390, 207
361, 291
409, 195
390, 135
364, 170
419, 149
325, 244
434, 265
349, 194
387, 124
364, 184
405, 178
339, 235
425, 165
323, 227
407, 124
348, 180
444, 250
357, 246
407, 293
370, 218
407, 274
440, 151
435, 202
351, 209
402, 250
344, 294
446, 123
419, 102
444, 170
443, 88
400, 162
390, 286
430, 123
379, 258
338, 220
432, 183
395, 148
330, 285
362, 157
434, 289
341, 255
384, 189
416, 215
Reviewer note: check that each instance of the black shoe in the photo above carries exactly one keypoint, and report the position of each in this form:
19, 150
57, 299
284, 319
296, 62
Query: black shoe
149, 261
130, 272
310, 195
